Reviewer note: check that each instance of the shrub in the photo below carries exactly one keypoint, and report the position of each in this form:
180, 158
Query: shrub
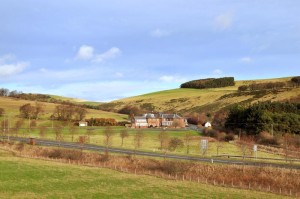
243, 88
229, 137
175, 167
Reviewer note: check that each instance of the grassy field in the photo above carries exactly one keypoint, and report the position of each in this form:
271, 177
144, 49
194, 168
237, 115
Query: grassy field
28, 178
205, 100
11, 107
150, 141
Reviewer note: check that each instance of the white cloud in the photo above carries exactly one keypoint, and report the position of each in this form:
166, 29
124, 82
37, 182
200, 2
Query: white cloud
246, 60
223, 21
6, 58
9, 66
169, 79
158, 33
217, 72
110, 54
85, 52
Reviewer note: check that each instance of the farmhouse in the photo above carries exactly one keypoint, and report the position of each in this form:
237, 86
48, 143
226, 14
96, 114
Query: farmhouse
149, 120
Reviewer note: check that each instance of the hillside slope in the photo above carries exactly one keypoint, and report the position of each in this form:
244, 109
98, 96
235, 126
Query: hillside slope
11, 107
185, 100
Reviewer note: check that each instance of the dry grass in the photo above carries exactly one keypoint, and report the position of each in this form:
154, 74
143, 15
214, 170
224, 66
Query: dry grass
280, 181
207, 100
12, 105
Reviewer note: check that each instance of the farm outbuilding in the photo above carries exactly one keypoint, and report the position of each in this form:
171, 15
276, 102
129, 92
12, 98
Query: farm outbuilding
83, 123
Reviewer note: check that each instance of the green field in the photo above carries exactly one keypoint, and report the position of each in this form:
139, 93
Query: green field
205, 100
28, 178
150, 141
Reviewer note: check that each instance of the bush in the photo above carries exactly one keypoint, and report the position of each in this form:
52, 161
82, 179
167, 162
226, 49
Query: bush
229, 137
243, 88
175, 167
296, 80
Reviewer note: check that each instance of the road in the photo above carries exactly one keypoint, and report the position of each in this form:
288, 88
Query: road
91, 147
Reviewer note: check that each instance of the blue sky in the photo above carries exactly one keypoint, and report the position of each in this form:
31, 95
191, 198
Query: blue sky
104, 50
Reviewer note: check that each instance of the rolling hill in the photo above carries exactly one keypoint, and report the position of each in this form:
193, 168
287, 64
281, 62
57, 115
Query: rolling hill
11, 107
186, 100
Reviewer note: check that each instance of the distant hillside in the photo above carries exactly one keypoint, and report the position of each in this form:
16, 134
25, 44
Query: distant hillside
11, 107
186, 100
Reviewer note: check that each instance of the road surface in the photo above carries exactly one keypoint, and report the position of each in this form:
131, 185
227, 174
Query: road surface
91, 147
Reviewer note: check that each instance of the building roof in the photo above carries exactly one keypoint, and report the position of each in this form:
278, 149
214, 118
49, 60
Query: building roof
156, 116
170, 116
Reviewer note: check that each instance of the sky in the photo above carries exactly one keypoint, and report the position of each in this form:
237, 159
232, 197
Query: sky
103, 50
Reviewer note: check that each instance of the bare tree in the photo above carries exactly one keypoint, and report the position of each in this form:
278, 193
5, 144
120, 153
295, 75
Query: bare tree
138, 137
108, 135
123, 134
73, 131
4, 126
2, 111
187, 139
177, 123
90, 132
42, 131
219, 145
163, 138
18, 125
174, 143
58, 133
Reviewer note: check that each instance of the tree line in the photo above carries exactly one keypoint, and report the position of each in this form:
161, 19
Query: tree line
281, 117
294, 82
209, 83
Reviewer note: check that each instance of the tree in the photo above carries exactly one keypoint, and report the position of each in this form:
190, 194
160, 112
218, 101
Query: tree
2, 112
174, 143
38, 110
18, 125
4, 126
58, 133
27, 111
138, 137
177, 123
187, 139
219, 145
163, 138
89, 133
108, 135
42, 131
80, 113
123, 134
73, 131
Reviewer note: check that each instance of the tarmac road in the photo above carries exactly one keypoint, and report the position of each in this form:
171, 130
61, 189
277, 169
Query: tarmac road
90, 147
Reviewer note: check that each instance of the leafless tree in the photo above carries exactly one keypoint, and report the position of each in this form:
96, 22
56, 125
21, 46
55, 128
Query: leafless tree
108, 135
123, 134
18, 125
42, 131
73, 131
219, 145
138, 137
174, 143
90, 132
187, 139
163, 138
58, 133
